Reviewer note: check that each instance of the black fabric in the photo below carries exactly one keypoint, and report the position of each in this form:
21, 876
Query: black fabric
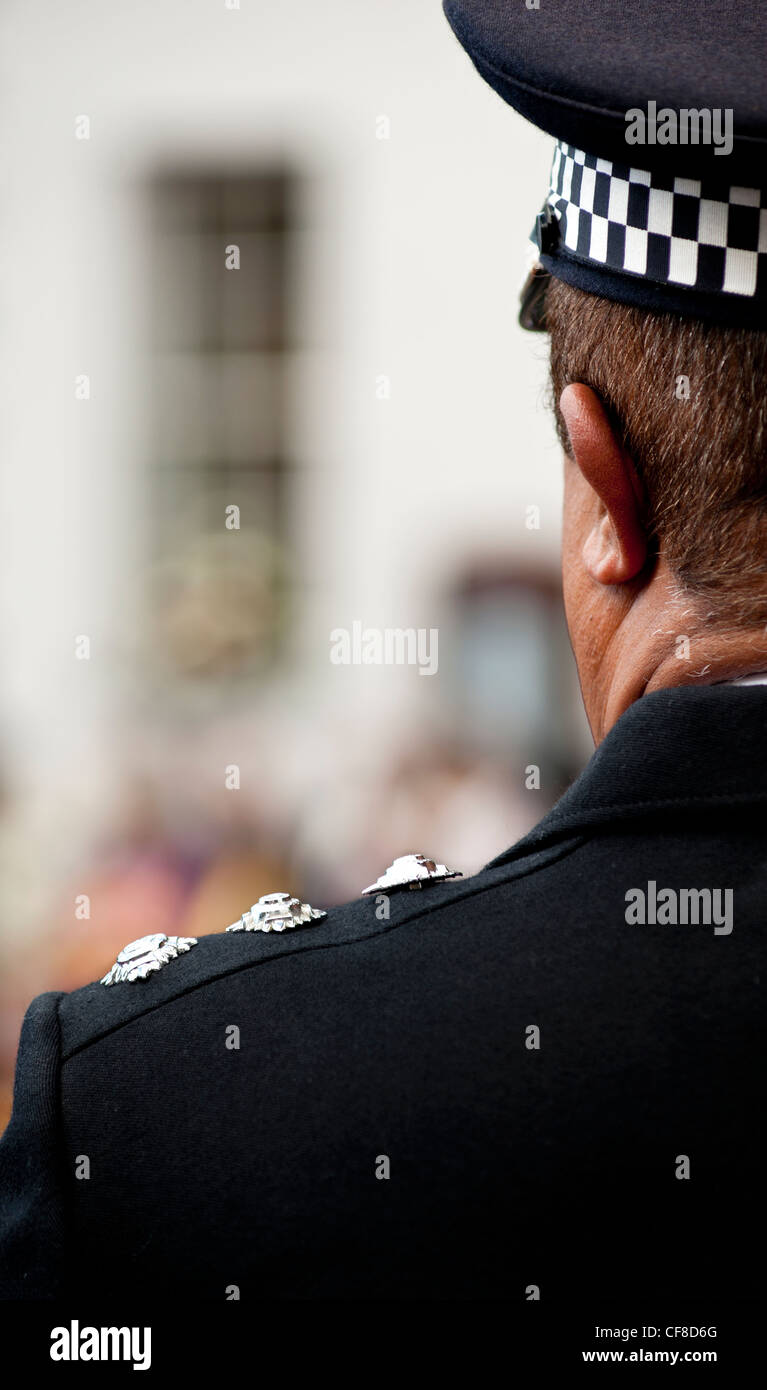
574, 67
667, 755
33, 1166
362, 1038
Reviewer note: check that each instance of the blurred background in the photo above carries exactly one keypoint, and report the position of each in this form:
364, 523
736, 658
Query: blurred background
262, 380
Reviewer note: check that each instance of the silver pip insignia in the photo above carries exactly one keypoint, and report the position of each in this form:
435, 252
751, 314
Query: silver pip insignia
411, 871
277, 912
149, 953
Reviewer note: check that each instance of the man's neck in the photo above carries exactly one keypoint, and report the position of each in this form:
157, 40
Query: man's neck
665, 639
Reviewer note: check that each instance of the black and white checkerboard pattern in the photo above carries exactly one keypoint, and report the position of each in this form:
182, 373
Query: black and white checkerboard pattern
669, 230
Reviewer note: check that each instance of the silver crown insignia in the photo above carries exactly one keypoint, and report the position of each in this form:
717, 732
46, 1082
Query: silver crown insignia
277, 912
149, 953
411, 871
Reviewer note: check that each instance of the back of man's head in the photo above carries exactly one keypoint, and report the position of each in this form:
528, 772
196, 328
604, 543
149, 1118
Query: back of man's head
688, 401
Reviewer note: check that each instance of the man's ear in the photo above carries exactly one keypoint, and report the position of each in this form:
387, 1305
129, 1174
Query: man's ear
616, 547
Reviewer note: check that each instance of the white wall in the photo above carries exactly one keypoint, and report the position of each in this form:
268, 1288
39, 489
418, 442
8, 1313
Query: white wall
414, 253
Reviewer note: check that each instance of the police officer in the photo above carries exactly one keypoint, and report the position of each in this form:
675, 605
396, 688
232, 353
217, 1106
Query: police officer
542, 1081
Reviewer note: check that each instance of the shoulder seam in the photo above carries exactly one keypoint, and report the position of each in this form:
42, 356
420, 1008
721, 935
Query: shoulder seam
424, 911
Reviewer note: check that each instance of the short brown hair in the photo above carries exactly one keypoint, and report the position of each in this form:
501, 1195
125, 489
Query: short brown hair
703, 460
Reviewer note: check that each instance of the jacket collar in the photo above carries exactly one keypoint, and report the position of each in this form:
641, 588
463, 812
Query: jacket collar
678, 748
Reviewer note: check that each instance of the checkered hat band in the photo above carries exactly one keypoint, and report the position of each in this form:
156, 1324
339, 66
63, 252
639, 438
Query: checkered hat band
673, 231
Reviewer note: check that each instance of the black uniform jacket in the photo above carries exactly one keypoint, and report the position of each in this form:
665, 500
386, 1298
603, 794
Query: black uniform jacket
504, 1088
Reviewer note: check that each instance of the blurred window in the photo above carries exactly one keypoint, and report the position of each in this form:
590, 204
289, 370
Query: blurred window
220, 338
